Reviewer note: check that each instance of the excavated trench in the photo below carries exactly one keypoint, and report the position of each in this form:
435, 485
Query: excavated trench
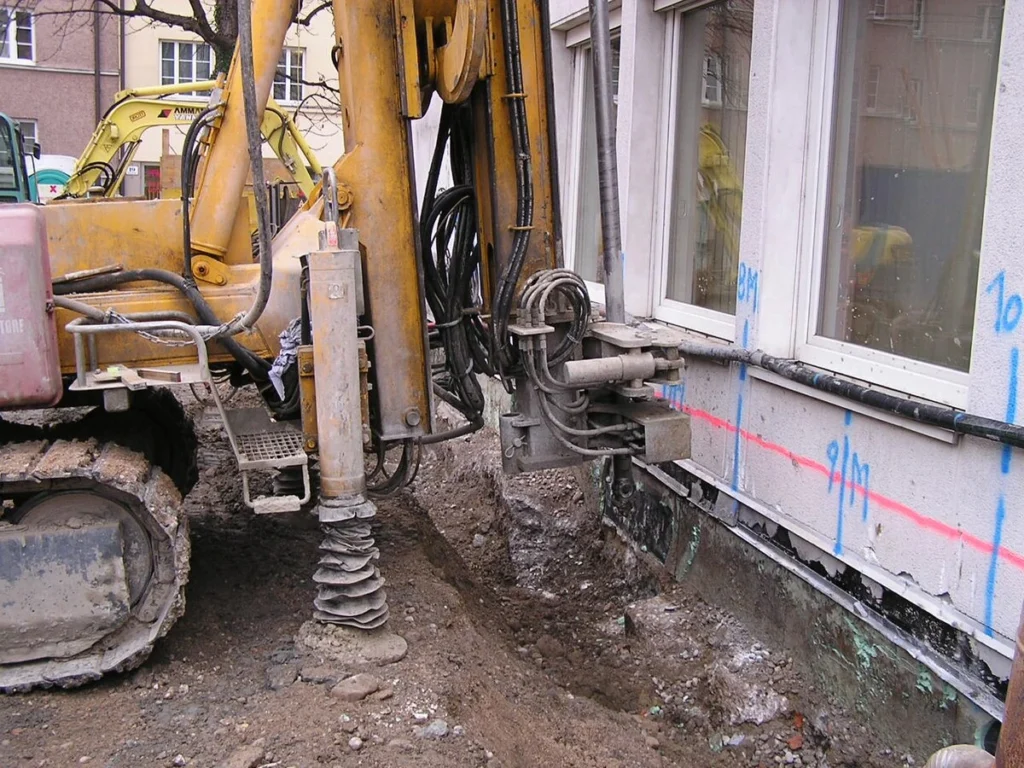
534, 633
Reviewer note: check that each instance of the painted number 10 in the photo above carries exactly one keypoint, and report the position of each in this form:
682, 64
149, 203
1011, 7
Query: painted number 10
1008, 308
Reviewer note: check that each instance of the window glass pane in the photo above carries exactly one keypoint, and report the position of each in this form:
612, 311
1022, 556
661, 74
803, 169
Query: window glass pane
710, 140
589, 262
185, 54
907, 187
281, 79
5, 48
8, 173
28, 129
297, 74
23, 35
202, 62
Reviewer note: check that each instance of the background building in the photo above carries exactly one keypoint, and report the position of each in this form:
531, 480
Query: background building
159, 55
58, 73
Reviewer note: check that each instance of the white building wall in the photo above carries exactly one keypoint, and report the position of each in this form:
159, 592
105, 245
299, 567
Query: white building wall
924, 521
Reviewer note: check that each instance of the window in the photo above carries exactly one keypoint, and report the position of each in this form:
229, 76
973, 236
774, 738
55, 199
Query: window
17, 36
988, 21
912, 106
587, 259
918, 18
893, 299
151, 182
29, 130
711, 85
182, 63
974, 105
704, 185
871, 94
879, 8
289, 77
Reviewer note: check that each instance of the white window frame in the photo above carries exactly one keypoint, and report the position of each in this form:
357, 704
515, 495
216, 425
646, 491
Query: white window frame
196, 44
286, 58
880, 14
925, 380
720, 325
11, 37
577, 40
918, 23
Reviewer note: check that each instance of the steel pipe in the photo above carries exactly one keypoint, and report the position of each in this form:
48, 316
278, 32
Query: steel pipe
607, 163
332, 305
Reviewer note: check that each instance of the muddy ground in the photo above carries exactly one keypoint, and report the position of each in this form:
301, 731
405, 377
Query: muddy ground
536, 637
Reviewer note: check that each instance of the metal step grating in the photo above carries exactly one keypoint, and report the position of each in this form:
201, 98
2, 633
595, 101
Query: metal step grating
270, 446
262, 443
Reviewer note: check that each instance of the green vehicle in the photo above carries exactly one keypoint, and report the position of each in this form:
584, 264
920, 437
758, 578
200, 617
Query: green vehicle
14, 151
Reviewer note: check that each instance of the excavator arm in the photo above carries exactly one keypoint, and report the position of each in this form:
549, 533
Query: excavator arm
104, 162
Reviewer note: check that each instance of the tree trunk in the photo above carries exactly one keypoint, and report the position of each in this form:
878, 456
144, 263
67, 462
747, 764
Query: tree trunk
225, 24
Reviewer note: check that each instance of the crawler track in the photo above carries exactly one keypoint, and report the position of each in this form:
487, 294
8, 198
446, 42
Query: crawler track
35, 471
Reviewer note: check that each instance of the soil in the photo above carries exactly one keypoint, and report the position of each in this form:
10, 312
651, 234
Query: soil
536, 637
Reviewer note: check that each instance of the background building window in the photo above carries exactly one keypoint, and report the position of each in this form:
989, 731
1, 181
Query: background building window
29, 129
289, 77
871, 94
878, 9
710, 140
17, 36
918, 18
907, 196
182, 62
151, 182
974, 105
588, 261
988, 21
711, 87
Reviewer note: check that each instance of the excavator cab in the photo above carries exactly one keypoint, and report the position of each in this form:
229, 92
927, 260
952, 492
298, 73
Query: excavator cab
14, 181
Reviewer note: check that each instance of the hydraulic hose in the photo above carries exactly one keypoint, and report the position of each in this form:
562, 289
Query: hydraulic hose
246, 321
956, 421
256, 366
86, 310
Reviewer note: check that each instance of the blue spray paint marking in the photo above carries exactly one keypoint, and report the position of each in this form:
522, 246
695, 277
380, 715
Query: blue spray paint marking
1008, 309
993, 566
739, 414
747, 285
1005, 462
853, 472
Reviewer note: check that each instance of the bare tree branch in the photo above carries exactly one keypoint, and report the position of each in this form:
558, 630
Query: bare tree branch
305, 20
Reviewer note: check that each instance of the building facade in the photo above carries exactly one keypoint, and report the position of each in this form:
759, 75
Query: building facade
58, 70
835, 182
156, 54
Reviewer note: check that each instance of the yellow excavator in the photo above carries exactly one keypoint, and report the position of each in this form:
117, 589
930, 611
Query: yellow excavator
103, 164
363, 311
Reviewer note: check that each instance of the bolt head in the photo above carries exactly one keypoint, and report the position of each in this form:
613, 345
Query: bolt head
412, 417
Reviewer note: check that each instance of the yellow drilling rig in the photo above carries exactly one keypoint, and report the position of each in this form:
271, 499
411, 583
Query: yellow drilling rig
365, 308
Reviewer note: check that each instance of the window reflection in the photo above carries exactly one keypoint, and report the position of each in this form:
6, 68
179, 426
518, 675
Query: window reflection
589, 261
711, 133
915, 92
